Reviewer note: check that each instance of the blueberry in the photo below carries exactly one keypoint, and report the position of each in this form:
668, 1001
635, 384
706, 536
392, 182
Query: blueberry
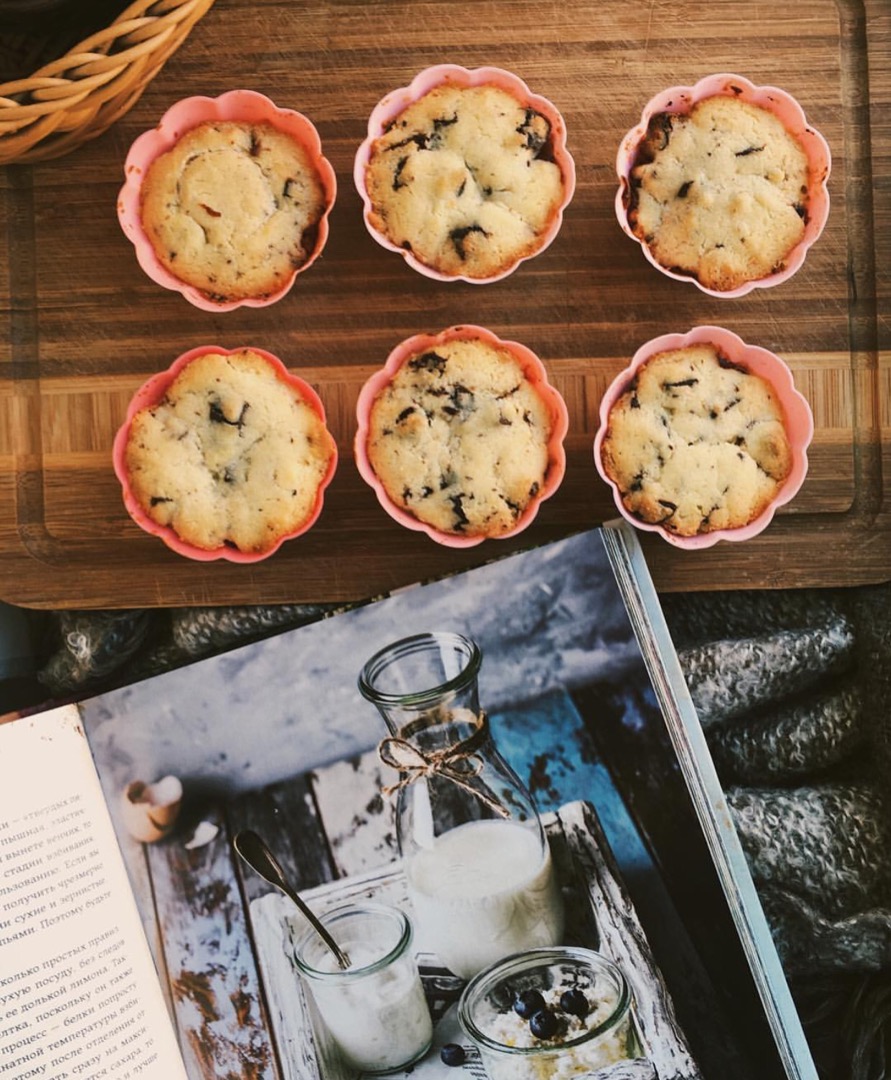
452, 1054
544, 1024
528, 1002
574, 1002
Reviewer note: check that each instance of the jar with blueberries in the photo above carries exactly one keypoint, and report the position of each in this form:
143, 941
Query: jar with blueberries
550, 1013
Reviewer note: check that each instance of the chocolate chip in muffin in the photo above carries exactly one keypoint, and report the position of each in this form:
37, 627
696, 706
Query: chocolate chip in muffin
233, 208
480, 452
719, 193
696, 443
465, 179
232, 455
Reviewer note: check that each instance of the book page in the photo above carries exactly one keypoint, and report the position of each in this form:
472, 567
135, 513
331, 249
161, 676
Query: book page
79, 996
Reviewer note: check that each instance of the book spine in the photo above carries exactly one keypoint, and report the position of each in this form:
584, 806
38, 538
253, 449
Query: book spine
688, 740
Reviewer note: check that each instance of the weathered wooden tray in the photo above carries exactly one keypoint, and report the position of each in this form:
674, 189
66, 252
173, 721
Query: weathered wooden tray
602, 918
81, 327
200, 904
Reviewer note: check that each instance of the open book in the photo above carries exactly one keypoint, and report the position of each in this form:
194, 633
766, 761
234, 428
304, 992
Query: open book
125, 958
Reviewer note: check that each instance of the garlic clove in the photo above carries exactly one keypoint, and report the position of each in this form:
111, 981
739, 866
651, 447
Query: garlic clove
205, 831
150, 810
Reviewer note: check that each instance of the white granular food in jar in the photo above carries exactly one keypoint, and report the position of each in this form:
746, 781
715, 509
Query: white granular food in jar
557, 1060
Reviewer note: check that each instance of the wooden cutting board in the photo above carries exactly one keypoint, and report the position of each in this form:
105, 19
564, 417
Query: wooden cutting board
81, 327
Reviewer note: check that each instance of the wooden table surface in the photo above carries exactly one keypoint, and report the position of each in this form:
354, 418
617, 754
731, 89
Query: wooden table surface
81, 327
221, 972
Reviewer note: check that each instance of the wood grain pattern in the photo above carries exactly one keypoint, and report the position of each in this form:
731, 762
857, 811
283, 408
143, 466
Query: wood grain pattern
622, 937
210, 961
81, 327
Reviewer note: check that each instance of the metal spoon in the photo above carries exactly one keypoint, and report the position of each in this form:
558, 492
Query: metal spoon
253, 849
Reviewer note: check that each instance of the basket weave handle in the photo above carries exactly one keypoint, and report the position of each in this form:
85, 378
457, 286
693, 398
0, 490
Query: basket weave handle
80, 95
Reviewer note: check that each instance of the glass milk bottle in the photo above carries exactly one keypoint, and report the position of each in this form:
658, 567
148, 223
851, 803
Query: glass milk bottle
476, 858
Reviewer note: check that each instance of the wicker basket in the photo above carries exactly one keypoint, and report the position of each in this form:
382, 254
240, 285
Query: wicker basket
81, 94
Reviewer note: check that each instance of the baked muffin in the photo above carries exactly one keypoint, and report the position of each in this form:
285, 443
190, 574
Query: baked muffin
465, 178
460, 437
696, 443
231, 455
233, 208
720, 192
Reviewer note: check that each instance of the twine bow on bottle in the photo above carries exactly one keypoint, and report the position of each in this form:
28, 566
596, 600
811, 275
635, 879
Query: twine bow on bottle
458, 763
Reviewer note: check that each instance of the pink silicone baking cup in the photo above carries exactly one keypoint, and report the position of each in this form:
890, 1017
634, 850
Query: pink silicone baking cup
799, 424
149, 394
534, 371
242, 105
680, 99
389, 107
